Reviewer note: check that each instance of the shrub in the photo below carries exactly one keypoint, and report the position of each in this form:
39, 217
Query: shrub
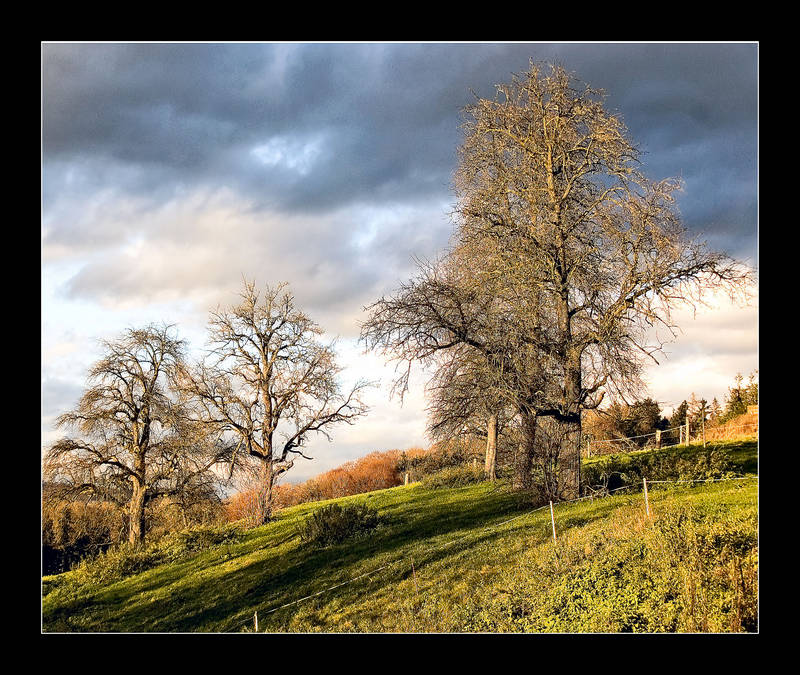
618, 471
117, 563
454, 476
334, 523
441, 456
72, 531
81, 529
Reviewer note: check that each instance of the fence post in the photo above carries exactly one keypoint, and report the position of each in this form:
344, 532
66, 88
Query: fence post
553, 520
646, 500
255, 620
658, 439
687, 429
406, 481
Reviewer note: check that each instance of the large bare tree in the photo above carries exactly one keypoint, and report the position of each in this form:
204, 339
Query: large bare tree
550, 177
582, 260
135, 440
270, 384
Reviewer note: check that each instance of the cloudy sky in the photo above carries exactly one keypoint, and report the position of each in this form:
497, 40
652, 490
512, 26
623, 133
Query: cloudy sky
170, 171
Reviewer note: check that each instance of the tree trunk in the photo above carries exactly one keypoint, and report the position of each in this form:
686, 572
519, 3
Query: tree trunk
491, 448
567, 431
526, 452
570, 423
136, 514
263, 511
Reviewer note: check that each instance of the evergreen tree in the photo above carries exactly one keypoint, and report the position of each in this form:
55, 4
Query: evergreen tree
714, 411
736, 401
698, 409
679, 415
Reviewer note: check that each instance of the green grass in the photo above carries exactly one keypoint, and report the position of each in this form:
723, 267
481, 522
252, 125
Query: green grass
472, 558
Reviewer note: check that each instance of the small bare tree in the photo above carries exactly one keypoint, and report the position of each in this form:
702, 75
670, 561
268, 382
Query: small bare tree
270, 384
457, 321
136, 441
466, 398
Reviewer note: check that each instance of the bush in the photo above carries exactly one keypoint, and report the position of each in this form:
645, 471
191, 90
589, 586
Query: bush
441, 456
117, 563
454, 476
618, 471
76, 530
72, 531
334, 523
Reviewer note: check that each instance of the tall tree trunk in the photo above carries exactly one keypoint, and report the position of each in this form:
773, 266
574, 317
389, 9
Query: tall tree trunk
526, 452
491, 448
571, 462
563, 456
570, 455
263, 511
136, 513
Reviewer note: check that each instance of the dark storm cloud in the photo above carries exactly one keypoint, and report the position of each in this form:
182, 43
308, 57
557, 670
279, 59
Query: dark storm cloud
386, 115
309, 128
390, 111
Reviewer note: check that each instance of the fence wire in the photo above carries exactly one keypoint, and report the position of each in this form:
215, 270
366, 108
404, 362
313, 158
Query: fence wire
709, 434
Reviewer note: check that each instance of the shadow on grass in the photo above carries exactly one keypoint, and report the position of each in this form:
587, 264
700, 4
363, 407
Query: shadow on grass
270, 568
203, 596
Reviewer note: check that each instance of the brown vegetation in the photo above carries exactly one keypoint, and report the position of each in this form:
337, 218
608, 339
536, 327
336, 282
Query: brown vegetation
375, 471
739, 427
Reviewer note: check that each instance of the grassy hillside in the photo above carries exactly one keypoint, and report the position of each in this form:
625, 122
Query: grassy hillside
474, 558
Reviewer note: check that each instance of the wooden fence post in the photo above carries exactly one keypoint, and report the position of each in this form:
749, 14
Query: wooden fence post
658, 439
255, 620
406, 481
687, 428
646, 500
553, 520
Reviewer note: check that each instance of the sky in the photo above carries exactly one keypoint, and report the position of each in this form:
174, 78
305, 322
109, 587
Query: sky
171, 171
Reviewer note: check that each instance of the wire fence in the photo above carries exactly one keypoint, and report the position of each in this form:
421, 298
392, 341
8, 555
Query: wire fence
668, 438
409, 561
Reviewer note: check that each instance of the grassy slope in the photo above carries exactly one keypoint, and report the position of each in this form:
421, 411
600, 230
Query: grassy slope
463, 559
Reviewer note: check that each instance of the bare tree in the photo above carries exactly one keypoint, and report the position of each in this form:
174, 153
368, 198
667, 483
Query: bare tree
455, 320
564, 260
270, 384
466, 397
549, 180
136, 441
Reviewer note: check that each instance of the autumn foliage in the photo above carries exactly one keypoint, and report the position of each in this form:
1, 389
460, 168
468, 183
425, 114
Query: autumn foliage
375, 471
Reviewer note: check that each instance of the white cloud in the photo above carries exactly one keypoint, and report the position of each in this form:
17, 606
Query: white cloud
713, 345
295, 154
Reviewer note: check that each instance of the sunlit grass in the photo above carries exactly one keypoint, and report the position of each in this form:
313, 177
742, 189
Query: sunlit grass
452, 560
